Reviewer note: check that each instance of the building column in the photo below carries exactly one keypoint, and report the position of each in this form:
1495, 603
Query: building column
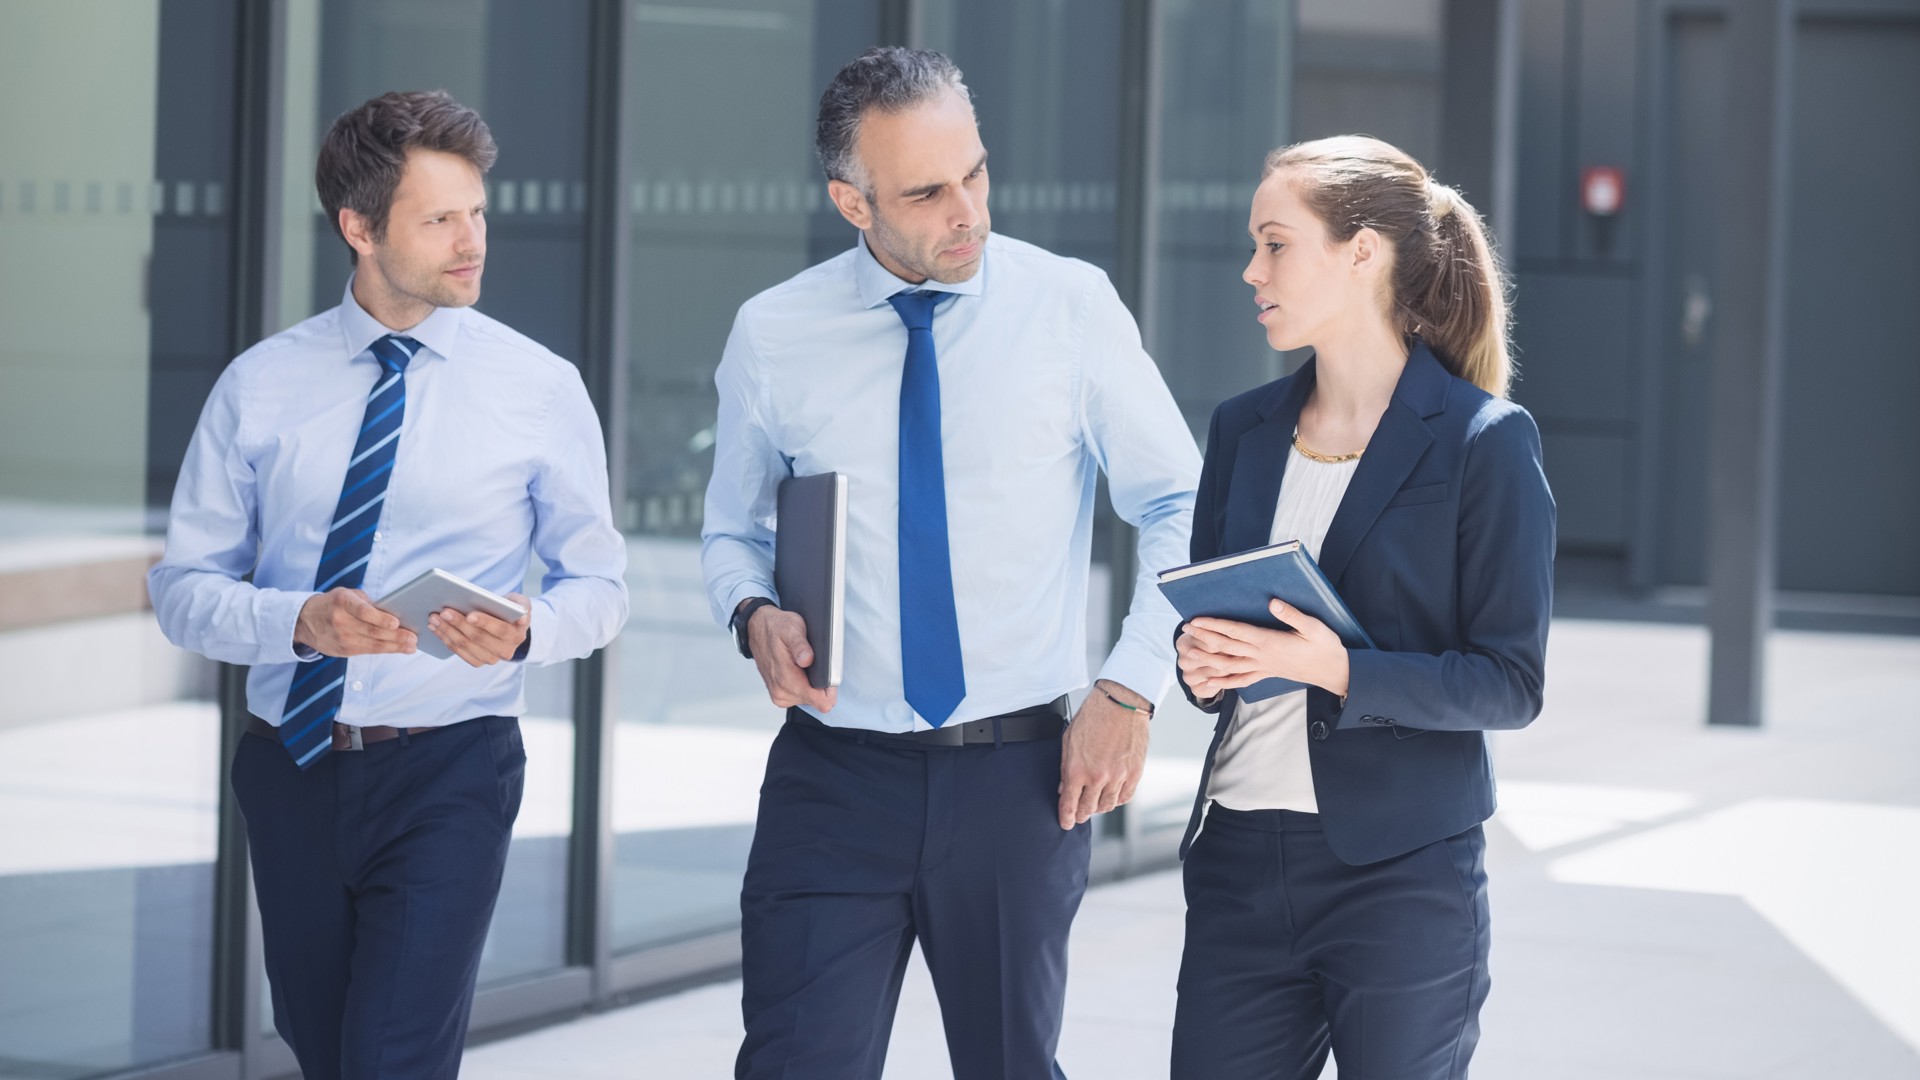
1744, 381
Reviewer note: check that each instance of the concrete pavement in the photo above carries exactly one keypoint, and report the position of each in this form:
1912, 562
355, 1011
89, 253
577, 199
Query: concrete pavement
1669, 901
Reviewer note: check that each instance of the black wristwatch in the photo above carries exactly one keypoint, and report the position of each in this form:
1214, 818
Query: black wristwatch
741, 616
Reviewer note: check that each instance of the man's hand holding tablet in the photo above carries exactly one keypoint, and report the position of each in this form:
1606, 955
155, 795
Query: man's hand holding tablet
454, 617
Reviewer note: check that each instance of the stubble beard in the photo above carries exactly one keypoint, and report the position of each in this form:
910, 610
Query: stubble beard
899, 247
428, 285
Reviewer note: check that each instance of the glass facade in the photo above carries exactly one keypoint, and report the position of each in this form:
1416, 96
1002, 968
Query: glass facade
157, 216
115, 307
1372, 66
656, 168
1046, 86
1222, 105
723, 200
521, 65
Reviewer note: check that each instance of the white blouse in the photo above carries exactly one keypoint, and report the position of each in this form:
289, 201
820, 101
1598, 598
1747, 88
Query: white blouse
1262, 763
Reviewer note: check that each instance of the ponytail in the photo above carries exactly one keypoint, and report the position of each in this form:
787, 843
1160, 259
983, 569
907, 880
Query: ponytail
1461, 312
1448, 287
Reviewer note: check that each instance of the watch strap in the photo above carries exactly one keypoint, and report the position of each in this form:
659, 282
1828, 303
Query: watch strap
743, 615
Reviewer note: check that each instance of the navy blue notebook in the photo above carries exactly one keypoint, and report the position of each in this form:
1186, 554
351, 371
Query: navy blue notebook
1240, 586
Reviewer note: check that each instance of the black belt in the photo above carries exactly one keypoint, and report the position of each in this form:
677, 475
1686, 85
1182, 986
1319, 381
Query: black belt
345, 736
1023, 725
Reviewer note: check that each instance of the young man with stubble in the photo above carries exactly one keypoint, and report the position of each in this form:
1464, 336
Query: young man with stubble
397, 433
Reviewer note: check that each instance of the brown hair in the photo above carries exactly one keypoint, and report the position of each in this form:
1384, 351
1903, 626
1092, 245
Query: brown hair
365, 152
1448, 287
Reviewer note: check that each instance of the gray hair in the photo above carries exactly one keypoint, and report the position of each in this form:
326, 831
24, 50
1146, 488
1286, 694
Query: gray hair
885, 77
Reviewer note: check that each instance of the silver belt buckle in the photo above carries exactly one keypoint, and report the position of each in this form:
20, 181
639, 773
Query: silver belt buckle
353, 738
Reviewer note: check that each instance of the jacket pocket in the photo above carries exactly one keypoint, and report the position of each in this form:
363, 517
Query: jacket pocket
1414, 496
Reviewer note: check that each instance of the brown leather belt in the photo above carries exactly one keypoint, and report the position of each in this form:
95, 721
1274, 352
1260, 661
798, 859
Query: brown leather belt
345, 736
1025, 725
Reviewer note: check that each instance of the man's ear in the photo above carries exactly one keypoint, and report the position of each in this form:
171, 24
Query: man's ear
357, 230
851, 203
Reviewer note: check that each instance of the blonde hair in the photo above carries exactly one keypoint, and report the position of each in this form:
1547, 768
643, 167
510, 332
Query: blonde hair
1448, 287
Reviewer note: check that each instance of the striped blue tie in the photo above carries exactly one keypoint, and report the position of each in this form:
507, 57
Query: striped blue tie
306, 726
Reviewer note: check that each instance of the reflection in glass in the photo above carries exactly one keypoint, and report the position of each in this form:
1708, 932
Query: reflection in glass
523, 66
529, 931
1223, 105
1046, 86
1045, 80
114, 241
1371, 68
724, 200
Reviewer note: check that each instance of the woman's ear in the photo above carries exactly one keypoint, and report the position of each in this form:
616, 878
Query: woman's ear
1366, 250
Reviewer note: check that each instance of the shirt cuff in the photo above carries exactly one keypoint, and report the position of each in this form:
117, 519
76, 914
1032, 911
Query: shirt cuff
1140, 670
277, 618
741, 592
538, 648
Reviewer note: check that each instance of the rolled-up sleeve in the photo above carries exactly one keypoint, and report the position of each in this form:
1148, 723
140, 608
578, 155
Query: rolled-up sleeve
1141, 442
583, 600
199, 592
1505, 589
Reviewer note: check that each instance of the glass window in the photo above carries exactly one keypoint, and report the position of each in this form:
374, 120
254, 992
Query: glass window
724, 200
1046, 86
1223, 105
115, 233
524, 67
1371, 67
529, 929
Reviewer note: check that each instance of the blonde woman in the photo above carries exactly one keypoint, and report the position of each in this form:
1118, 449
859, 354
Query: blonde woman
1336, 898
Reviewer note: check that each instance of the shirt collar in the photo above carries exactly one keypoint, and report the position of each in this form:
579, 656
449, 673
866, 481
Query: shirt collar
438, 331
877, 283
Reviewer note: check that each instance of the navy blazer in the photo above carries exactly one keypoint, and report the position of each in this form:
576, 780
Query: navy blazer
1443, 549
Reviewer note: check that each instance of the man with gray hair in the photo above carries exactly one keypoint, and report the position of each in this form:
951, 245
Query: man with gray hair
971, 387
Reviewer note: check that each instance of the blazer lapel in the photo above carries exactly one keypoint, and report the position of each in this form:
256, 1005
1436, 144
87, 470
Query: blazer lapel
1396, 447
1260, 463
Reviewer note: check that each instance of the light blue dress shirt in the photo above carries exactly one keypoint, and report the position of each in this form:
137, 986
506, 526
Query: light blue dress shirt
500, 458
1043, 383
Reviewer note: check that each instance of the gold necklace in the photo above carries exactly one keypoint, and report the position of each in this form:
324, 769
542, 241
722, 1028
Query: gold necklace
1325, 459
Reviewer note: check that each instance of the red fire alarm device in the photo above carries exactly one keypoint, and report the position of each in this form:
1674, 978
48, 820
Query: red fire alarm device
1603, 190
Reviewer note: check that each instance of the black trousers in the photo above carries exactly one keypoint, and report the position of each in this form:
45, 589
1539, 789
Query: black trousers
376, 872
862, 848
1291, 952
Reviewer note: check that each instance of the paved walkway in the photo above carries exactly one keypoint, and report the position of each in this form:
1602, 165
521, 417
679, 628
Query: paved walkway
1669, 901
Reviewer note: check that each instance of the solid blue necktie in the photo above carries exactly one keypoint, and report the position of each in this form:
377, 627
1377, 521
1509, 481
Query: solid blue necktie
931, 669
306, 727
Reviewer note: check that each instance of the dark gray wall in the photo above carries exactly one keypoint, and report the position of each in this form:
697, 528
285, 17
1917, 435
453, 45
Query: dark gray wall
1576, 314
1614, 317
1850, 470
